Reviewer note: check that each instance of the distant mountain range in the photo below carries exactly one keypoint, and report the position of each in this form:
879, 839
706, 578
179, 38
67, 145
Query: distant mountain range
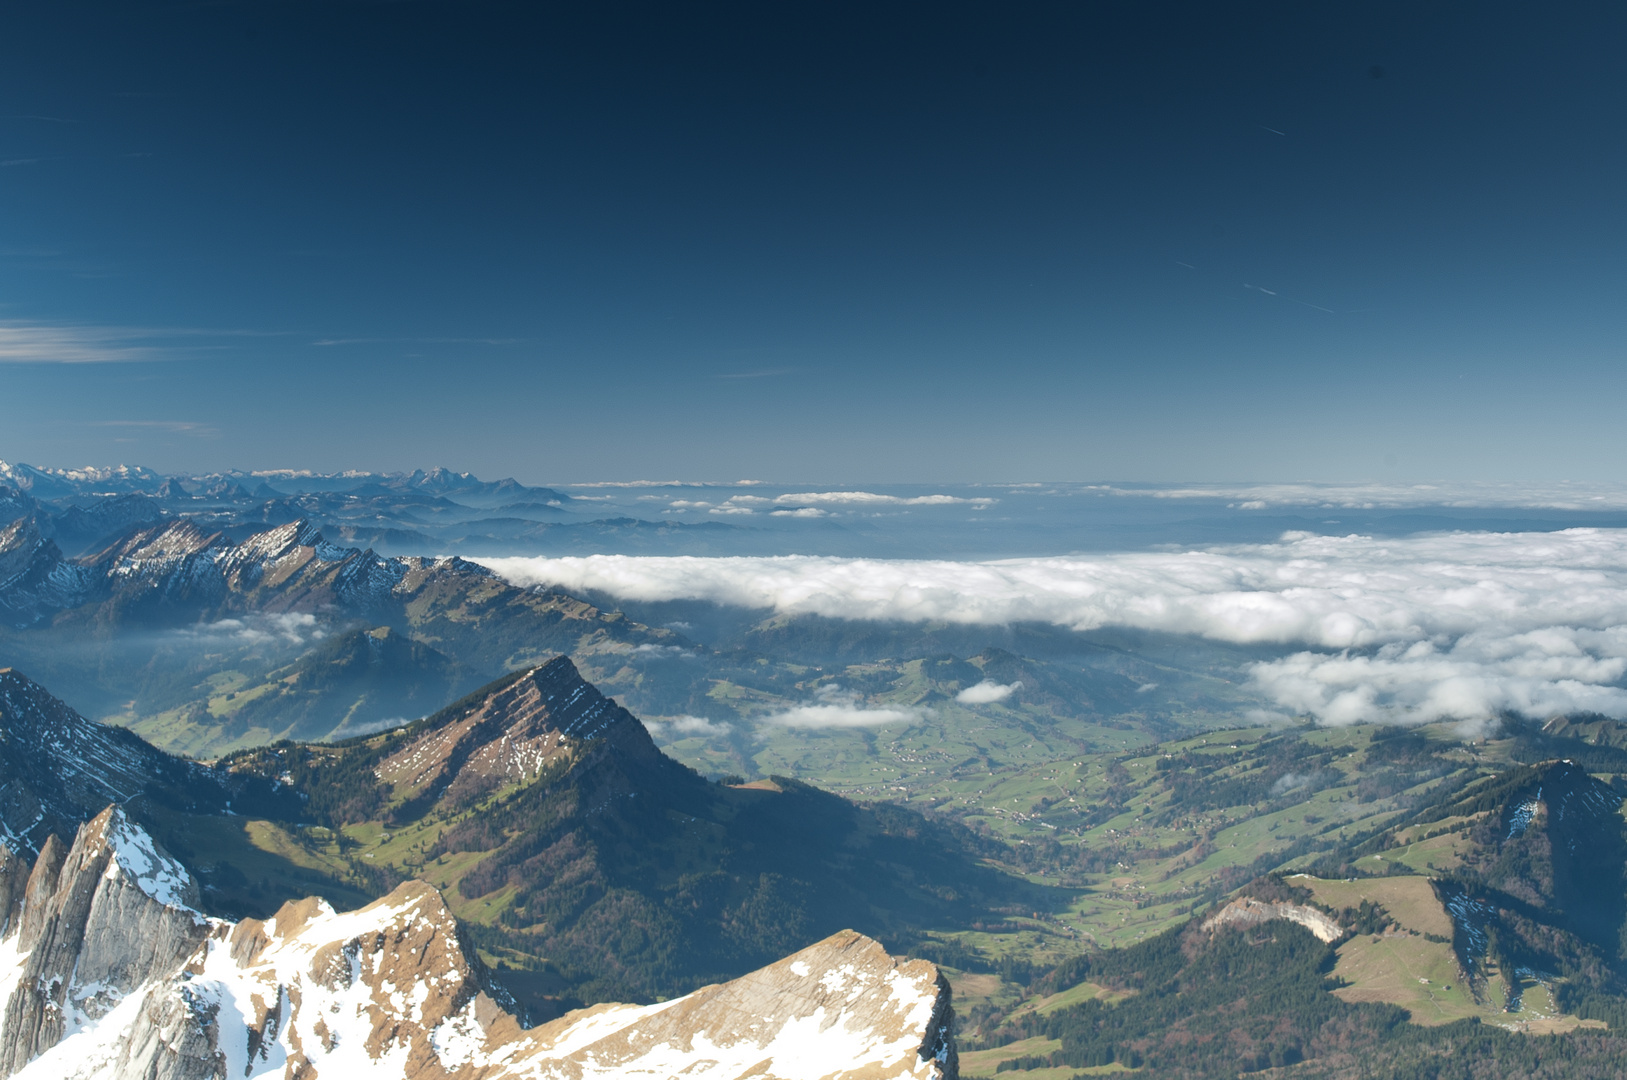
202, 641
438, 512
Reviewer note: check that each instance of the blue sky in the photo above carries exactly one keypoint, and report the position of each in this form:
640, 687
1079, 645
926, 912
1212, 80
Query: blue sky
858, 242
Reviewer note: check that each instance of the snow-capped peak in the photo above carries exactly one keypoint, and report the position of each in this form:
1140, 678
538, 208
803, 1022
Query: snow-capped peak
154, 873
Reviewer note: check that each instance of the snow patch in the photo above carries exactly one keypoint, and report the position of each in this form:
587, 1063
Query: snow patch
161, 878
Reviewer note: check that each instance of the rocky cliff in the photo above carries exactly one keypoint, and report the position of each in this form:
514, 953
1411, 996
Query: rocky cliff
58, 768
108, 973
1247, 911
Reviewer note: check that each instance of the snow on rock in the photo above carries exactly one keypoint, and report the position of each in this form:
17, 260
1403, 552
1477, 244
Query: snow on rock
159, 876
110, 975
56, 767
841, 1007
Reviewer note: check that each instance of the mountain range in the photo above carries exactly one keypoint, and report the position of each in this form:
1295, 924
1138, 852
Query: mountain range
596, 865
418, 513
1472, 917
204, 644
108, 971
1462, 899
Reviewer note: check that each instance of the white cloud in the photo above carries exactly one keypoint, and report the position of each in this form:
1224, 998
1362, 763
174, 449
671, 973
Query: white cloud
841, 716
287, 627
834, 707
664, 651
804, 512
987, 692
1454, 625
1540, 673
695, 725
870, 498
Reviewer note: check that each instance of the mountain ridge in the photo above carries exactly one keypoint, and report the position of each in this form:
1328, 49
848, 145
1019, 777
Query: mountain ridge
112, 974
549, 818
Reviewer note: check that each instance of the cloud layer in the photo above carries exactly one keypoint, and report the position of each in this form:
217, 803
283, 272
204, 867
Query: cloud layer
1459, 625
1562, 496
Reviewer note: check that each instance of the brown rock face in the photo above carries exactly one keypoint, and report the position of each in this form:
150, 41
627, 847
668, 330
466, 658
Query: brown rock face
511, 735
111, 976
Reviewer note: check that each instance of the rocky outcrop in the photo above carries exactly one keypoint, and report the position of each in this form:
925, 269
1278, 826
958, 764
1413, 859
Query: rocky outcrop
110, 975
512, 733
35, 580
100, 922
13, 884
839, 1007
1246, 911
57, 768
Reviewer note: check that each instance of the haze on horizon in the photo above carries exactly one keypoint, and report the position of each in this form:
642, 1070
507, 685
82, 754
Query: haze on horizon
882, 243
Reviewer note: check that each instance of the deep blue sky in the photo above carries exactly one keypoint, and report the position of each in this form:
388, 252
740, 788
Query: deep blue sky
870, 242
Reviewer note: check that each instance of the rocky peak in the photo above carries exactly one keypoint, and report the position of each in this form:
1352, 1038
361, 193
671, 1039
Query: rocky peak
34, 577
111, 975
159, 545
841, 1007
101, 919
1555, 837
510, 732
13, 887
14, 504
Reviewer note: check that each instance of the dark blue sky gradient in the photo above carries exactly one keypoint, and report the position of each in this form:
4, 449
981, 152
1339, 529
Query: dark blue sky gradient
872, 242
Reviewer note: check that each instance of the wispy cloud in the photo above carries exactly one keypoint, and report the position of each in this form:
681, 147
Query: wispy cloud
1375, 496
691, 725
1462, 625
766, 373
834, 707
329, 342
42, 343
175, 427
871, 498
285, 628
23, 342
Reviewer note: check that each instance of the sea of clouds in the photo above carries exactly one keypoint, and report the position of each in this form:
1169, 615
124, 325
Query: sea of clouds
1449, 626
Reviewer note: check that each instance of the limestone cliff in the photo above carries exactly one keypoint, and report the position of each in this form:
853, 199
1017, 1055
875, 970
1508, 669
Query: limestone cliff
107, 973
1247, 911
